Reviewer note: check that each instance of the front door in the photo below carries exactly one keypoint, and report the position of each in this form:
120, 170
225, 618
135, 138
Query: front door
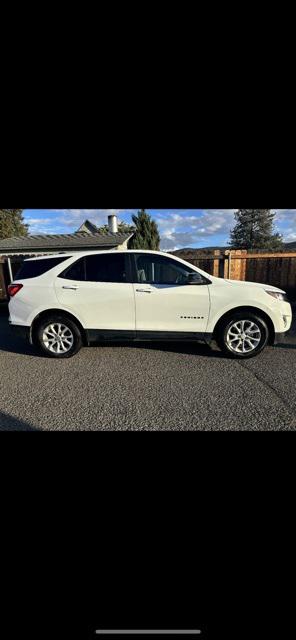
96, 289
164, 303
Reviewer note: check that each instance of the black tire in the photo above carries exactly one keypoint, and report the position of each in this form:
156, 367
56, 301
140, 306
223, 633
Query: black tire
72, 339
227, 332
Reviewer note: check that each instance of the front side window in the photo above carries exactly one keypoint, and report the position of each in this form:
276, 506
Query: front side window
155, 269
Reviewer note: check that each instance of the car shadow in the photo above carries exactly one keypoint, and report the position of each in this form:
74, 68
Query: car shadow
189, 348
288, 345
10, 423
13, 344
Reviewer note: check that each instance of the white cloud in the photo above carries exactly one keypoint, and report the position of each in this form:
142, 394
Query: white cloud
75, 217
186, 230
285, 223
43, 225
213, 227
291, 237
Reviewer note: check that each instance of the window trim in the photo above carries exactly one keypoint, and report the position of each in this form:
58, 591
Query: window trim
133, 269
129, 268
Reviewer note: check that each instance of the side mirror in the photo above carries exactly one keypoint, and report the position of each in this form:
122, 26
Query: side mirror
197, 279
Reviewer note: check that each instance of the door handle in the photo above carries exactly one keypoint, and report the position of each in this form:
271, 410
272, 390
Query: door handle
144, 290
72, 288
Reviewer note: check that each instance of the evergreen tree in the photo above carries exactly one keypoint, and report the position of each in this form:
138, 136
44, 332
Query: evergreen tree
254, 230
12, 223
122, 228
146, 234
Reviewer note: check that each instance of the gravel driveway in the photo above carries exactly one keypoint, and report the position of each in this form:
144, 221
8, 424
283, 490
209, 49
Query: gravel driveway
154, 387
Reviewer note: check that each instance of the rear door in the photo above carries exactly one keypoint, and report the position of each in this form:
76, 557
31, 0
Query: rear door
164, 302
97, 290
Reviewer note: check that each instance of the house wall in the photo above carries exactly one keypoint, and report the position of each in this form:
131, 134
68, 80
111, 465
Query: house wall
123, 246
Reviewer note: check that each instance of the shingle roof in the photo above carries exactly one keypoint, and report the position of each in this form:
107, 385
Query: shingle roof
63, 241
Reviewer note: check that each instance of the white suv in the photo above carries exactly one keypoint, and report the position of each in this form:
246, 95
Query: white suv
66, 301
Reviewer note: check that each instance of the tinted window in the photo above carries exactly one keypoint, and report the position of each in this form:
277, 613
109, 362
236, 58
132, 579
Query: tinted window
75, 272
160, 270
35, 268
105, 268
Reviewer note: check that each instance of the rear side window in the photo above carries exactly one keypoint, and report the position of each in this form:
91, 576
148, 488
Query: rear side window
35, 268
105, 268
97, 268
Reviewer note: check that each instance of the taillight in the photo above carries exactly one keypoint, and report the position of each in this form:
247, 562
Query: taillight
13, 289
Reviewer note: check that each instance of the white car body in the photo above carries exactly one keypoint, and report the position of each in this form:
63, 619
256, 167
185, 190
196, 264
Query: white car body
142, 310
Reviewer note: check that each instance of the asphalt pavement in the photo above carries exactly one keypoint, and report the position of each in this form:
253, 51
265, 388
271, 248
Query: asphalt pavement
162, 387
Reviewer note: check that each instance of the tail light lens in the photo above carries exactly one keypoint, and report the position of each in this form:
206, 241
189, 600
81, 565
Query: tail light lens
13, 289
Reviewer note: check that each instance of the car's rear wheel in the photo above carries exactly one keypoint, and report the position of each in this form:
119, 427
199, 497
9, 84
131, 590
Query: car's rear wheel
58, 337
243, 335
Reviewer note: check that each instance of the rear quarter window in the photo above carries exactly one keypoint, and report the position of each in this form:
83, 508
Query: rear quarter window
76, 271
35, 268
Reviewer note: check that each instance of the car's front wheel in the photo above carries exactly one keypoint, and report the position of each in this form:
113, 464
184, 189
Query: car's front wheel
243, 335
58, 337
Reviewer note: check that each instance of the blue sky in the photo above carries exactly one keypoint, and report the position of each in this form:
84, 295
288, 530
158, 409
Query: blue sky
178, 227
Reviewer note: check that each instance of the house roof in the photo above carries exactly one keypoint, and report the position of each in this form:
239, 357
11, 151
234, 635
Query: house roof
88, 227
68, 242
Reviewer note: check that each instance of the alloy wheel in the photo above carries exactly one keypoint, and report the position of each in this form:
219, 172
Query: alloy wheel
243, 336
58, 338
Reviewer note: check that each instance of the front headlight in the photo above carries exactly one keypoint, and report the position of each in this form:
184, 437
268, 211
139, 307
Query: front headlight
279, 296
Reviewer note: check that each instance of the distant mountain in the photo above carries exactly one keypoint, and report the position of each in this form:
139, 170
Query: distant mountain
287, 246
290, 246
203, 249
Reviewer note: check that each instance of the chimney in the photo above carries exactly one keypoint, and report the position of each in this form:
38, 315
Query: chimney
113, 224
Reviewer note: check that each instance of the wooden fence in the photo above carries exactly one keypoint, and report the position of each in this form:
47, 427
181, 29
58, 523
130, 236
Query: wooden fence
276, 269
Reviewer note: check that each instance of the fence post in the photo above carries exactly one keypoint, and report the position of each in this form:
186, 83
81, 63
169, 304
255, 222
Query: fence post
234, 265
227, 262
238, 271
243, 272
216, 267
